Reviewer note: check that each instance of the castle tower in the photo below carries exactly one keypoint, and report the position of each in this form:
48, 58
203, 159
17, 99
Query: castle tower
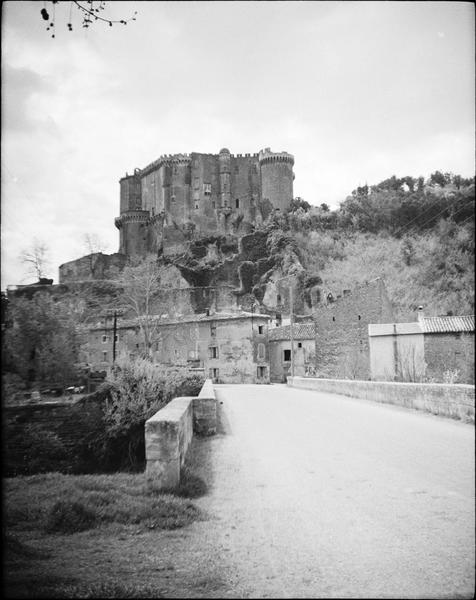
276, 178
133, 221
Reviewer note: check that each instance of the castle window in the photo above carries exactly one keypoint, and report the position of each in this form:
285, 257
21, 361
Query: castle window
214, 205
213, 374
287, 355
261, 372
172, 199
213, 329
104, 339
175, 169
213, 352
261, 351
207, 189
260, 328
197, 206
237, 203
359, 317
237, 169
299, 344
104, 356
333, 318
196, 183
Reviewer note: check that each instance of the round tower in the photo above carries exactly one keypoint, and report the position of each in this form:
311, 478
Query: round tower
276, 178
133, 221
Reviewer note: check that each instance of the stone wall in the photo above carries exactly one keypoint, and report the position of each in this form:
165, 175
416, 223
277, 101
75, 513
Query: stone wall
455, 401
92, 266
72, 421
450, 354
342, 346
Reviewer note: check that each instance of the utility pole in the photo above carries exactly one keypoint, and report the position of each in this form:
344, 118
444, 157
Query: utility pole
291, 320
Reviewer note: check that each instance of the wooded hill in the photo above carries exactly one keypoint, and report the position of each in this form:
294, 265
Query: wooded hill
417, 234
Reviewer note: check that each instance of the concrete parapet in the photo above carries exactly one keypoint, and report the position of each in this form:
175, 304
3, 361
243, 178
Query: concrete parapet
448, 400
169, 432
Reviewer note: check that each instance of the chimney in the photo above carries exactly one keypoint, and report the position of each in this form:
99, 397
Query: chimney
420, 314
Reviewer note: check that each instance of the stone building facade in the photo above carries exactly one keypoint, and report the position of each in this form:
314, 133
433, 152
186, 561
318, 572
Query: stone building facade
304, 339
182, 197
227, 347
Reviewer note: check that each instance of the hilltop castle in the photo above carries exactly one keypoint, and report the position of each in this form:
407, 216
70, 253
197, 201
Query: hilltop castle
183, 197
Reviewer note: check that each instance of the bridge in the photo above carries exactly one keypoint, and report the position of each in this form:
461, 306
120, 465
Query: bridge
320, 495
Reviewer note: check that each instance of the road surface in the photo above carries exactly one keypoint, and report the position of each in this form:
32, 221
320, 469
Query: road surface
319, 495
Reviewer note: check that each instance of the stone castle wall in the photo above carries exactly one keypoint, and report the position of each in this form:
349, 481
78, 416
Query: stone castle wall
183, 197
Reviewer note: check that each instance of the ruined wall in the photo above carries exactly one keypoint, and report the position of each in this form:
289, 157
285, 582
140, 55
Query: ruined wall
450, 355
92, 266
342, 346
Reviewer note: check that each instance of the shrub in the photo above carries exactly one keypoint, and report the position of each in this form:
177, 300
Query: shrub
138, 389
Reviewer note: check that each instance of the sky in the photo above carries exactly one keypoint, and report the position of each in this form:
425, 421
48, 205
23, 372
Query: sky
356, 91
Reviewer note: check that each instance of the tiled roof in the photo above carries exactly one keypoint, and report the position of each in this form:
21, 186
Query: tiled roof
301, 331
196, 318
448, 324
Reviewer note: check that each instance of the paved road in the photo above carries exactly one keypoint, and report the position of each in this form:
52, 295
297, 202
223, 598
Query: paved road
319, 495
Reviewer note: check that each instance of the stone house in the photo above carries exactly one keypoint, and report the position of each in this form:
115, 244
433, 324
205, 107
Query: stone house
227, 347
439, 349
280, 351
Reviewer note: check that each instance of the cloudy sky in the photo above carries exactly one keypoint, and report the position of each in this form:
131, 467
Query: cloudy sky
356, 91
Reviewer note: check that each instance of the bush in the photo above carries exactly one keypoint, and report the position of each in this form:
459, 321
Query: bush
137, 390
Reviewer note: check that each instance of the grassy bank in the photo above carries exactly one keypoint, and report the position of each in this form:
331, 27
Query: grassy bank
107, 536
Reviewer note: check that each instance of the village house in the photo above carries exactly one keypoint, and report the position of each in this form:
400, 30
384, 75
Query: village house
304, 342
228, 347
439, 349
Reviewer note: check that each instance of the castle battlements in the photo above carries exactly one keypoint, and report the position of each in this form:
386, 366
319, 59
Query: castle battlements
178, 197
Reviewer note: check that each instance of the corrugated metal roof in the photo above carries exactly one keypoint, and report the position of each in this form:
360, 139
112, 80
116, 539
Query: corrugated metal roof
448, 324
301, 331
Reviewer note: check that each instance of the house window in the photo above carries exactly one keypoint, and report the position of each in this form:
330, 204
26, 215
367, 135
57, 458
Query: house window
261, 351
287, 355
104, 356
213, 329
207, 189
213, 352
104, 339
237, 203
299, 344
261, 372
260, 328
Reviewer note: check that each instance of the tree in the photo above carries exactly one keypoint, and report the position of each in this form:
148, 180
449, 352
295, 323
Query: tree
93, 245
89, 10
36, 258
140, 283
41, 342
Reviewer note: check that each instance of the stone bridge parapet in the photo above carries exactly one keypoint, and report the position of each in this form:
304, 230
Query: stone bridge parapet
448, 400
168, 434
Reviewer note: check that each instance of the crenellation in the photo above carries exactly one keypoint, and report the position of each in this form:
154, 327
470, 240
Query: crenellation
200, 194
